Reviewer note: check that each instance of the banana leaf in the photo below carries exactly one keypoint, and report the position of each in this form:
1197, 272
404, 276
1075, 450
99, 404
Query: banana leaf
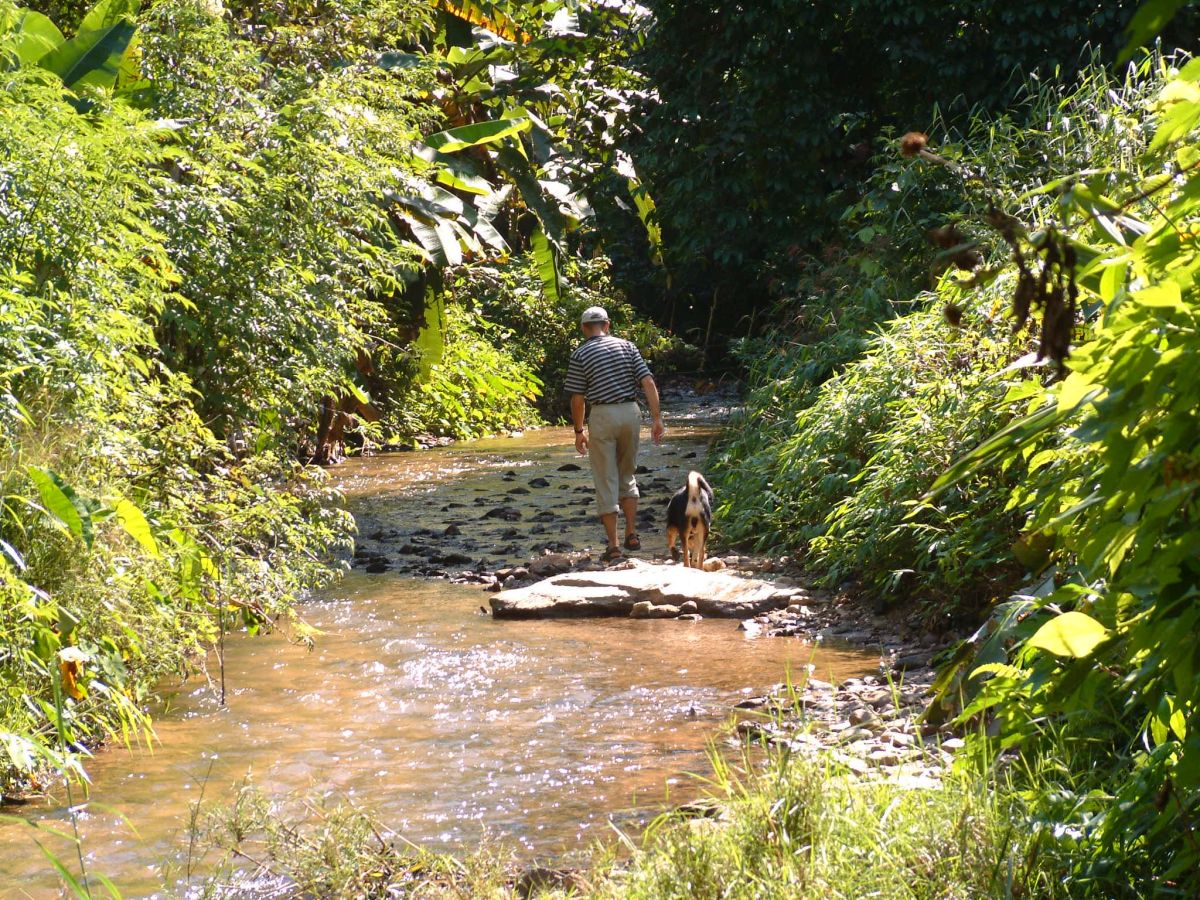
107, 13
91, 58
547, 264
454, 139
485, 15
34, 35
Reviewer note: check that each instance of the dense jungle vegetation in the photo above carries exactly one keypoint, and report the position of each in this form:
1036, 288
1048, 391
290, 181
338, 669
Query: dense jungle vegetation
953, 251
232, 234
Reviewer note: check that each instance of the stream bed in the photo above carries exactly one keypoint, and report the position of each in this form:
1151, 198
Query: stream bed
454, 728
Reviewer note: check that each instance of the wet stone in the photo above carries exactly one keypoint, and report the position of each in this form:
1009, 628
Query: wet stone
507, 513
377, 565
911, 661
452, 530
570, 467
518, 490
539, 483
451, 559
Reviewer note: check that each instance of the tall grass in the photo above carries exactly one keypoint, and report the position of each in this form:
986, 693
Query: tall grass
798, 828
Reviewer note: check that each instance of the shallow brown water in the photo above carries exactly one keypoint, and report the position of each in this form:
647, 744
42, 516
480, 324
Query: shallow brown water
449, 724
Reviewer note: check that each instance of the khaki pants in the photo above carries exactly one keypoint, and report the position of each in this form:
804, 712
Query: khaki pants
613, 433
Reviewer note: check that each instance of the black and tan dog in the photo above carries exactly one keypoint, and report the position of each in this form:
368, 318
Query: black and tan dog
689, 516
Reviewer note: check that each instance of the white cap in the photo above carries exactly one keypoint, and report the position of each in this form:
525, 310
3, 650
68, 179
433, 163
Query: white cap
593, 314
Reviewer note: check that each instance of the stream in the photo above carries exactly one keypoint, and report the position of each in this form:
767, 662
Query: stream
452, 727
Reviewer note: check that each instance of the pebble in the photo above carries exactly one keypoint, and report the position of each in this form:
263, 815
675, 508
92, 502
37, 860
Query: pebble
862, 716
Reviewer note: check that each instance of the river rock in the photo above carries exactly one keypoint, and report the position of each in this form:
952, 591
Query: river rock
615, 591
539, 483
569, 467
538, 879
507, 513
550, 564
453, 558
644, 609
688, 608
715, 564
862, 716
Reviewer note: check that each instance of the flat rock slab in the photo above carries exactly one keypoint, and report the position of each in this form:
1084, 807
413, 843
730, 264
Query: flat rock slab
614, 591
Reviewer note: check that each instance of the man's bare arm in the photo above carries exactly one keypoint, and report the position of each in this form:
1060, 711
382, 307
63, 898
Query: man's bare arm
577, 413
656, 422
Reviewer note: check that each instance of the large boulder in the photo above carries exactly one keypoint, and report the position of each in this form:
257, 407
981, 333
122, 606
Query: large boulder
615, 591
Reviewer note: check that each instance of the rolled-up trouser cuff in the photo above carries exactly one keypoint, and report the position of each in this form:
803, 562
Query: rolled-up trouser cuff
614, 430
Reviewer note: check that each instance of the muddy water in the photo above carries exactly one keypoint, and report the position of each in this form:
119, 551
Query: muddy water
455, 728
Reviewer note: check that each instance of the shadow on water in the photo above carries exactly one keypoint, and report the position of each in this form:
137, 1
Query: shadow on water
450, 725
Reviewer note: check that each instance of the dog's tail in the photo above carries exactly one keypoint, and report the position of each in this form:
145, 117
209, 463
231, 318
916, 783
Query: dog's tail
697, 485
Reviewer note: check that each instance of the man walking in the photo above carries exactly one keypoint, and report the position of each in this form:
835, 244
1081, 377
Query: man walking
606, 371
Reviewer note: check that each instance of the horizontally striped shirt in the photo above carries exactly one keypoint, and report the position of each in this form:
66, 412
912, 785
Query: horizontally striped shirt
606, 369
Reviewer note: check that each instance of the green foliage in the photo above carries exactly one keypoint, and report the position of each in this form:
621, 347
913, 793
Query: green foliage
1104, 655
763, 117
850, 433
541, 331
474, 389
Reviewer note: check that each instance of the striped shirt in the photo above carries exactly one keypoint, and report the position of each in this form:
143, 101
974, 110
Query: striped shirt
606, 369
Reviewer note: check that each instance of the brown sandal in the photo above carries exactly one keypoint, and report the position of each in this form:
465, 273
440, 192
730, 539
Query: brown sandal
633, 542
612, 554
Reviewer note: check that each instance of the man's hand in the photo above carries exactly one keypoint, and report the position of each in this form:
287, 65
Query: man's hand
657, 429
581, 443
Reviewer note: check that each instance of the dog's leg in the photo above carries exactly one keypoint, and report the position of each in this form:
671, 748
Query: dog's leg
686, 534
697, 534
672, 537
702, 528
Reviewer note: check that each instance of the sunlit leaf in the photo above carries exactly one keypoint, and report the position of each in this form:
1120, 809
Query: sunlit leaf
1070, 634
133, 520
476, 134
61, 502
35, 35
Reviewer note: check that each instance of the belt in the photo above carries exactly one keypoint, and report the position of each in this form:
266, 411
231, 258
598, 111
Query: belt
613, 402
